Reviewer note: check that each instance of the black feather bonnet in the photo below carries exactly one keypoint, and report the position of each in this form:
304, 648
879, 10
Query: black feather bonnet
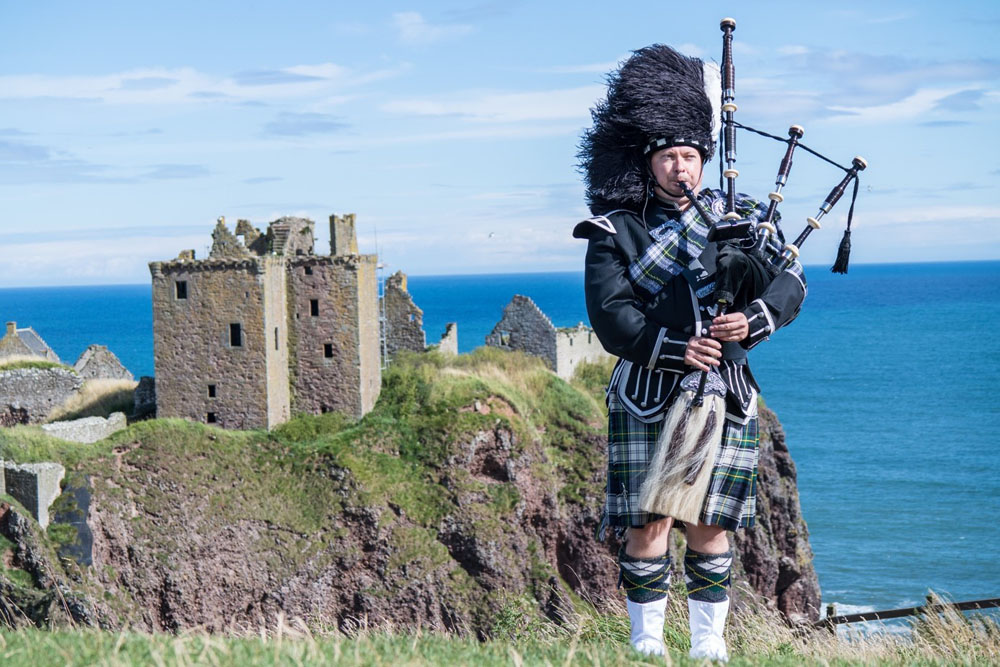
656, 99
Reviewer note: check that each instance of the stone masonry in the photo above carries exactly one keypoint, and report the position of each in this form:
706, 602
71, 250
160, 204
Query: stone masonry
264, 327
99, 363
34, 485
449, 339
87, 429
144, 397
25, 342
526, 328
404, 321
28, 395
576, 344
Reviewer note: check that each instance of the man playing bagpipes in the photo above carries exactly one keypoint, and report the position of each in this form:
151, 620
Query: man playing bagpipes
651, 296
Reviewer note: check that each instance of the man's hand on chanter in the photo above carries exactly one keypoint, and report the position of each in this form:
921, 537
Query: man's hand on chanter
730, 328
702, 352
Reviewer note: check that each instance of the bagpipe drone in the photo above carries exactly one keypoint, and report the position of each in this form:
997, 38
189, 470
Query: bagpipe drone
748, 258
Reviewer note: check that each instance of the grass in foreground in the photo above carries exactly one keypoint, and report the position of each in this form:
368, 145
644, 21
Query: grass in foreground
755, 637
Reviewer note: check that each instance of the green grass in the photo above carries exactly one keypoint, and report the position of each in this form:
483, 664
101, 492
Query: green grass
30, 444
402, 463
756, 636
17, 364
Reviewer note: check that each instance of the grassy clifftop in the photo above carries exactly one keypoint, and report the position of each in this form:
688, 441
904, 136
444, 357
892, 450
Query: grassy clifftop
464, 503
473, 484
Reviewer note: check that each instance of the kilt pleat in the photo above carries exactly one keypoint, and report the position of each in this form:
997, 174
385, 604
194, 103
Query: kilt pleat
731, 499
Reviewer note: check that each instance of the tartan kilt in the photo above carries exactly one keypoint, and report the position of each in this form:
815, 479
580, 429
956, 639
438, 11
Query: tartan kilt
731, 500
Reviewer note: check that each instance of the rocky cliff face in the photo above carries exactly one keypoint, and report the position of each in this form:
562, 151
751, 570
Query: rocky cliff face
473, 486
774, 555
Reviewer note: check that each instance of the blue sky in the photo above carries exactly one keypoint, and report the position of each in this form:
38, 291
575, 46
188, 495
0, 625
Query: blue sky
451, 129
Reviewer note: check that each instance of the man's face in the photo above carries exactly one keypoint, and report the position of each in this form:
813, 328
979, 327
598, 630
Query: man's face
675, 165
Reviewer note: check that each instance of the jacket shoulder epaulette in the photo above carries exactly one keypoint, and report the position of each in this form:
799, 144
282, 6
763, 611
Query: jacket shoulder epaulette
598, 224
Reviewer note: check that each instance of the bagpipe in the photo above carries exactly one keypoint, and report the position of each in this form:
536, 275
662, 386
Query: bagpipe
749, 257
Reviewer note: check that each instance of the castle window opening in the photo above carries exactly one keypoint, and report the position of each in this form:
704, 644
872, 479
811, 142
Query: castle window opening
276, 338
328, 350
314, 307
236, 335
210, 418
309, 270
211, 391
571, 341
181, 289
590, 338
411, 317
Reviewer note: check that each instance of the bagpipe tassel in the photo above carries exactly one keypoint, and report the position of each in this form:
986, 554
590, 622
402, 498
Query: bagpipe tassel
843, 253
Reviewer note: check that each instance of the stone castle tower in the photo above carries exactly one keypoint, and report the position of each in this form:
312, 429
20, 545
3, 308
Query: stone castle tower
265, 327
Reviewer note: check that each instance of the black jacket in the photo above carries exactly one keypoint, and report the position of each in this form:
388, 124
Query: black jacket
653, 333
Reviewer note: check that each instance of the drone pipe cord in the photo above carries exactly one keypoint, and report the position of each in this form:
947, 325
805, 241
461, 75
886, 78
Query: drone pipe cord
728, 25
791, 251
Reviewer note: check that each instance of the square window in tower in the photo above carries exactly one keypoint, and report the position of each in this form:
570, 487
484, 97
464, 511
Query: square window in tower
236, 335
181, 289
328, 350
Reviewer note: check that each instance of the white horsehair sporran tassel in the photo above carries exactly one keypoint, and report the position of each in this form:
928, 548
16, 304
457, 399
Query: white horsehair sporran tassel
679, 475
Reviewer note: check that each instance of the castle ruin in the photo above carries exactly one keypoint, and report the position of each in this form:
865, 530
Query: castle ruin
25, 342
404, 320
265, 326
526, 328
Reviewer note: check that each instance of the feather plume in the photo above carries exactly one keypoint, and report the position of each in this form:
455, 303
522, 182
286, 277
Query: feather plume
657, 92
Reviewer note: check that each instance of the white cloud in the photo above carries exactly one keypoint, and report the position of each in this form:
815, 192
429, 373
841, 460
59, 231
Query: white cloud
78, 262
933, 214
793, 50
414, 29
323, 70
912, 106
592, 68
159, 85
488, 106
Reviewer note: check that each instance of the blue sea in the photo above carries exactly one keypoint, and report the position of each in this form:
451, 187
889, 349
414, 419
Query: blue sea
884, 385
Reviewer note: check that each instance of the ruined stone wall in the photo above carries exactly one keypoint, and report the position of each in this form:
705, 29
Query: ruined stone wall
87, 429
13, 346
28, 395
526, 328
191, 342
98, 362
369, 348
293, 236
343, 238
449, 339
404, 321
575, 345
225, 244
274, 281
323, 304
